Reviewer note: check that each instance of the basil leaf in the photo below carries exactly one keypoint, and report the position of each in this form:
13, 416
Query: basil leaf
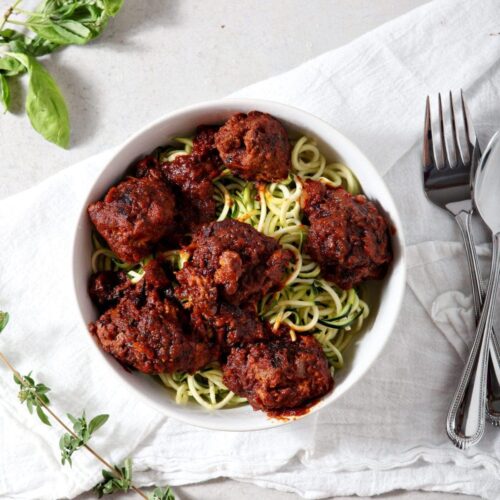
62, 32
45, 104
39, 46
19, 45
10, 66
7, 35
112, 7
4, 92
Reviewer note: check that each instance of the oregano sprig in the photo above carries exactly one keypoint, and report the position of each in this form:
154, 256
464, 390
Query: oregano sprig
54, 24
112, 484
35, 396
162, 494
83, 431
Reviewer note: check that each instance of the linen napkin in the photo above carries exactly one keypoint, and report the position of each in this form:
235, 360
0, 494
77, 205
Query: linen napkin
388, 431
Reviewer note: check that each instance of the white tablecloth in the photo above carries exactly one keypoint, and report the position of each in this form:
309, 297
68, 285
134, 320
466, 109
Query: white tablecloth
388, 432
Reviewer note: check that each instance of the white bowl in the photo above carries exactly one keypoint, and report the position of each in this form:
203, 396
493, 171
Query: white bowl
384, 298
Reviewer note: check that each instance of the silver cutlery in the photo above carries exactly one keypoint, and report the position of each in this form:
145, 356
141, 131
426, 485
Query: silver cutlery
448, 182
487, 188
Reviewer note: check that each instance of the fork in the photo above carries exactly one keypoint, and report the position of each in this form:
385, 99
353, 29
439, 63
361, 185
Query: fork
448, 183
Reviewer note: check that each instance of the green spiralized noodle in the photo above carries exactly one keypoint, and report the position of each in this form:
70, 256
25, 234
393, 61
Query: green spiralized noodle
307, 304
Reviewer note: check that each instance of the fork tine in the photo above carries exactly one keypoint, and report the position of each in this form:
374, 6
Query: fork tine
428, 153
444, 150
456, 142
469, 129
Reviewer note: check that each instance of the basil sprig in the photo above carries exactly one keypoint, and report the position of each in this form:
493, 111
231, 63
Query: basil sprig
54, 24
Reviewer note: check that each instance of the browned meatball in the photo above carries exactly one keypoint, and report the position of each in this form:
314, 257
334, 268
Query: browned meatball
229, 326
192, 181
147, 167
280, 374
348, 236
232, 266
255, 146
133, 216
147, 330
230, 260
107, 288
204, 146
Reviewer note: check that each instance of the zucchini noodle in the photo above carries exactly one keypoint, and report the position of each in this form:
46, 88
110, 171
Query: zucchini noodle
308, 304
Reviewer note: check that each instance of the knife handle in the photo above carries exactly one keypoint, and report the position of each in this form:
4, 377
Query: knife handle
478, 293
466, 416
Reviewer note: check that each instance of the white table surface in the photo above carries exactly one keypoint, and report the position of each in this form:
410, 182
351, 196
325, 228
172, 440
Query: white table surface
159, 55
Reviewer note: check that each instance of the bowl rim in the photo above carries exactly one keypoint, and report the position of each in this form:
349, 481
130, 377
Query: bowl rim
336, 137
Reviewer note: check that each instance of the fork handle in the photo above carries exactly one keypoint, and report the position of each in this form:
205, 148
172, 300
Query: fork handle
465, 422
478, 294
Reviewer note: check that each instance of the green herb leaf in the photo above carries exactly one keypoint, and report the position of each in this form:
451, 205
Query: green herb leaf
97, 422
39, 46
120, 481
63, 33
4, 92
68, 443
4, 319
73, 22
42, 416
19, 46
33, 395
112, 7
6, 35
10, 66
162, 494
45, 104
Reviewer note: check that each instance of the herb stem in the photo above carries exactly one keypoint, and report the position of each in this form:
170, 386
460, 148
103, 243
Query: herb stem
113, 470
18, 23
27, 12
9, 12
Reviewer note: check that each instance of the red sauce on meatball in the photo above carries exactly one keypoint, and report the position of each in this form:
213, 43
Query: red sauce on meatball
279, 374
232, 266
255, 146
133, 216
148, 330
348, 236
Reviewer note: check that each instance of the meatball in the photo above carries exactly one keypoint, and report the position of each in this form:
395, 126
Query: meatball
147, 167
280, 374
107, 288
229, 326
147, 329
204, 146
255, 146
133, 216
230, 260
348, 236
191, 179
